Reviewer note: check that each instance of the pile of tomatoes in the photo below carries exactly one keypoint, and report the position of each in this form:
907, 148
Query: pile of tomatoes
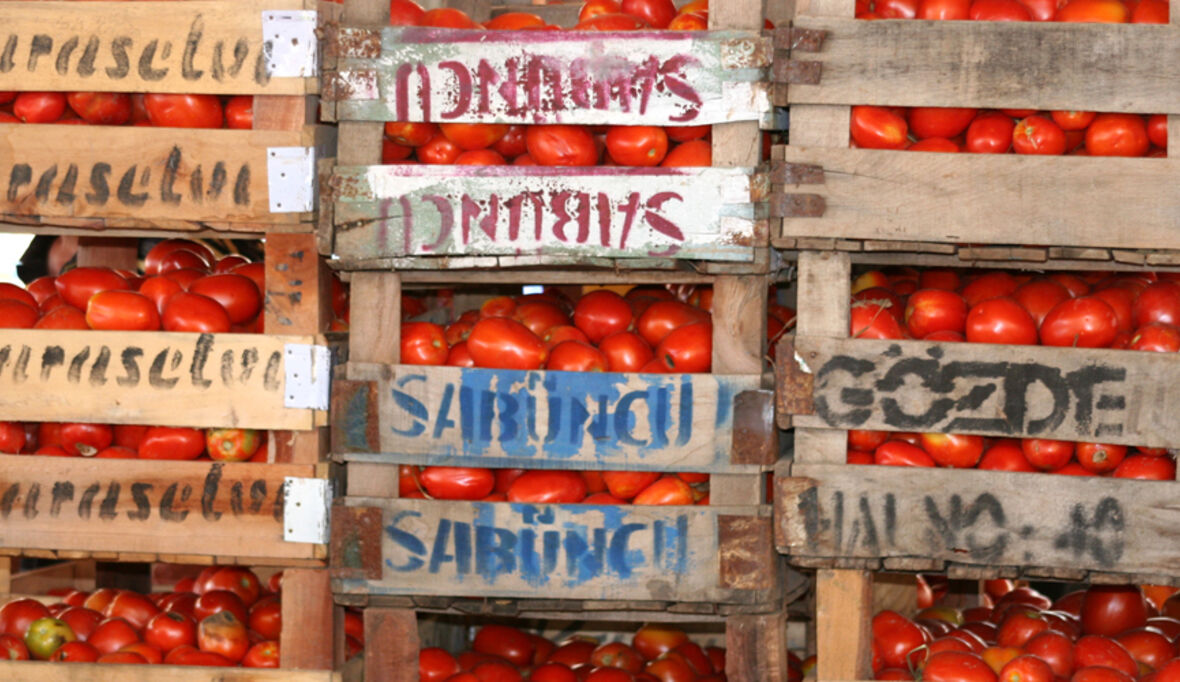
493, 144
223, 617
121, 108
132, 441
183, 288
1105, 633
1136, 311
1023, 131
552, 486
657, 653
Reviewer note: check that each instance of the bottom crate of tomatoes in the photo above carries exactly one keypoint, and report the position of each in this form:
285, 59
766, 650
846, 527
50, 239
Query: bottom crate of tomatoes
223, 617
718, 554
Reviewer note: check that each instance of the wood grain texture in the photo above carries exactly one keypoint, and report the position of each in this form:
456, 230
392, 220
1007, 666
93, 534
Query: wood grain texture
823, 290
871, 194
978, 518
136, 506
375, 331
1075, 394
739, 324
165, 47
309, 620
993, 65
843, 616
394, 653
756, 648
143, 173
148, 378
26, 671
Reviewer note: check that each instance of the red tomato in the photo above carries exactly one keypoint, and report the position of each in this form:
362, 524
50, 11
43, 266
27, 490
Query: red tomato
111, 635
662, 317
540, 316
232, 445
1072, 120
548, 487
625, 352
1159, 302
576, 356
668, 490
687, 349
611, 22
16, 314
1156, 337
262, 655
472, 136
17, 615
1093, 650
871, 320
222, 633
999, 10
447, 18
168, 630
1110, 609
935, 144
458, 356
237, 294
957, 666
157, 261
436, 665
39, 107
959, 451
159, 290
1038, 296
990, 133
405, 13
1102, 11
1047, 454
410, 134
594, 8
1100, 457
627, 484
41, 288
1000, 320
77, 285
479, 157
933, 310
878, 128
694, 153
239, 112
457, 483
85, 439
507, 344
122, 311
12, 439
237, 579
1026, 668
189, 655
947, 122
655, 13
132, 607
1085, 322
1147, 647
188, 312
1055, 649
602, 313
1038, 135
168, 442
184, 111
1157, 126
509, 643
423, 343
75, 652
216, 601
619, 655
101, 108
900, 453
438, 150
12, 648
1117, 134
637, 145
561, 145
512, 144
895, 636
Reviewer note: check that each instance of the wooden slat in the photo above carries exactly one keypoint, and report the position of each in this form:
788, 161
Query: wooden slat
756, 648
971, 64
1075, 394
78, 504
978, 518
309, 620
25, 671
375, 334
545, 419
393, 654
583, 551
145, 47
1009, 199
142, 173
843, 616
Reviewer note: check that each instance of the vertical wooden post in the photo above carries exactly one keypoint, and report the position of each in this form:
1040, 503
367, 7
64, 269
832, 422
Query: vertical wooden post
756, 647
375, 317
109, 252
310, 620
842, 623
391, 645
7, 564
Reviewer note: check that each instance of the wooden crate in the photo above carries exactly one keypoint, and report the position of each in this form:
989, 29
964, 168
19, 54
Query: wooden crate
156, 181
832, 61
755, 644
416, 216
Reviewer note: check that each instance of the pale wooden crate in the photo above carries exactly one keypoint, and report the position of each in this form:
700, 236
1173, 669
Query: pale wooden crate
155, 182
834, 61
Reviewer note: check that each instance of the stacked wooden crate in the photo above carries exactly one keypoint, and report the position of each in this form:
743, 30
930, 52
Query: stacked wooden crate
841, 206
111, 185
385, 227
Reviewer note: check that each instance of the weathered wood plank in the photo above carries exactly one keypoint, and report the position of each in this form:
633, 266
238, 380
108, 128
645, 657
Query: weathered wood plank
180, 379
979, 518
843, 616
79, 504
205, 46
1110, 396
886, 195
993, 64
391, 211
145, 173
545, 419
632, 78
27, 671
580, 551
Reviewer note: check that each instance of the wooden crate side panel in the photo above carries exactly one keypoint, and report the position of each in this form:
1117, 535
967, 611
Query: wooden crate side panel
139, 173
977, 518
1074, 394
649, 78
204, 46
36, 671
547, 419
986, 198
219, 508
992, 65
391, 211
577, 551
179, 379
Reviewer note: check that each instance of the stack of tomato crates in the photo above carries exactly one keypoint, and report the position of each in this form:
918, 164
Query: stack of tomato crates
848, 209
400, 548
112, 185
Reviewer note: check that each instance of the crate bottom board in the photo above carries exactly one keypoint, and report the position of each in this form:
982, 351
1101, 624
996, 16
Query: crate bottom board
30, 671
623, 611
